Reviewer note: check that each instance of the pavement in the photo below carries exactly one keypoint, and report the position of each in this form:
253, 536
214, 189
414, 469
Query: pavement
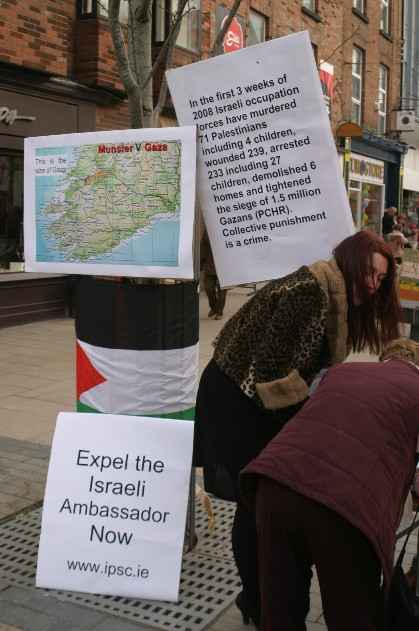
37, 382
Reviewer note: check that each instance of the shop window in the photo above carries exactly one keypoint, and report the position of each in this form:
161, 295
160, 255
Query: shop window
366, 201
382, 99
257, 28
311, 5
372, 201
189, 33
11, 209
385, 16
357, 84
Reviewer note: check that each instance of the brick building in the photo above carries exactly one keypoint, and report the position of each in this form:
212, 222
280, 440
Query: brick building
58, 75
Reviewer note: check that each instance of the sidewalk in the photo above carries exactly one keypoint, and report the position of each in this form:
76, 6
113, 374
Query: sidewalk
38, 381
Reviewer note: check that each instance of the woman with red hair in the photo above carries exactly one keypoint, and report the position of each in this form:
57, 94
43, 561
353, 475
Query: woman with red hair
266, 358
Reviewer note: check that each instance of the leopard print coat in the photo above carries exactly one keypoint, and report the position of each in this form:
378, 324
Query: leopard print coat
280, 339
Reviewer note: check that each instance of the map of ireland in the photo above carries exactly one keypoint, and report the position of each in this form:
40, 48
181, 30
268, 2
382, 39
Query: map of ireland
106, 204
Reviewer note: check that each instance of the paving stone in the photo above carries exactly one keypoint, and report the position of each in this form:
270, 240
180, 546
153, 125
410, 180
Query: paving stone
12, 503
46, 602
23, 618
116, 624
26, 489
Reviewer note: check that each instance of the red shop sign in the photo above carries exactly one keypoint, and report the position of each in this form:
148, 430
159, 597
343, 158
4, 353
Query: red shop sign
233, 39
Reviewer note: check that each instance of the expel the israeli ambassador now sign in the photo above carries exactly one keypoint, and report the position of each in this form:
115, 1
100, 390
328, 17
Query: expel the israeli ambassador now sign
115, 505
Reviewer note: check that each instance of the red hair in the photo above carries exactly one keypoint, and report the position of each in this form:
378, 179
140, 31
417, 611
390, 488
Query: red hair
375, 321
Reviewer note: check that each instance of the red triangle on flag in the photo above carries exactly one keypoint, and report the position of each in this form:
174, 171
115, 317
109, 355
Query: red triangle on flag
87, 375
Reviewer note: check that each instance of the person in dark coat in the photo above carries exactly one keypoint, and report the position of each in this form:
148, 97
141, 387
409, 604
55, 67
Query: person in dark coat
216, 295
329, 491
389, 220
267, 356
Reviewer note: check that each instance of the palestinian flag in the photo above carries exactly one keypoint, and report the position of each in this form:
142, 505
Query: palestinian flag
137, 348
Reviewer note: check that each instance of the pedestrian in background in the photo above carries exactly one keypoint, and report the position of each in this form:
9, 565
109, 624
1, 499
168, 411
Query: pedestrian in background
389, 219
216, 295
265, 359
396, 242
329, 491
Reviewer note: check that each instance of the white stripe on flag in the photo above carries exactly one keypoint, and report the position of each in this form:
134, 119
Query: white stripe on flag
148, 382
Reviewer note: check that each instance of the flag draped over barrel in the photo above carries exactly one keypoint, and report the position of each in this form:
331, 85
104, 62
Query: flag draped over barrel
137, 348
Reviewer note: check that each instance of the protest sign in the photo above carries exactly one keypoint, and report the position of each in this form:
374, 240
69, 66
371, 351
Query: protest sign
115, 505
115, 203
269, 181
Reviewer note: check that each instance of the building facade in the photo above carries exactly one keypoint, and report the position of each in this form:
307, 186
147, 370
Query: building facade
58, 75
409, 119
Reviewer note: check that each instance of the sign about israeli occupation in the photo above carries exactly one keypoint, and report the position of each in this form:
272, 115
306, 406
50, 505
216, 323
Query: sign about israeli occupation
115, 505
269, 181
118, 203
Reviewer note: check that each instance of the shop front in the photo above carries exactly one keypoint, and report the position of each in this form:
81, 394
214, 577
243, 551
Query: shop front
374, 178
32, 104
411, 186
366, 192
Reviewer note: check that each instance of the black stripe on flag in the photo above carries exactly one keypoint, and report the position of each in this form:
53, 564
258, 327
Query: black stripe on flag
137, 317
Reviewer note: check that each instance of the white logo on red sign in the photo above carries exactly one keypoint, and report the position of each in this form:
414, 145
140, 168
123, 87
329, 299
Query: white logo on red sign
233, 39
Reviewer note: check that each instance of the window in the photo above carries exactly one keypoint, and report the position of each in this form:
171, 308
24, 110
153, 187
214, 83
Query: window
189, 33
382, 99
315, 53
11, 208
311, 5
86, 7
385, 16
357, 72
359, 5
257, 28
123, 10
95, 8
159, 19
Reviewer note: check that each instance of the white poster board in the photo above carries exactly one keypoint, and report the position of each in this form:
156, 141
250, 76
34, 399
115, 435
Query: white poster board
115, 505
269, 181
114, 203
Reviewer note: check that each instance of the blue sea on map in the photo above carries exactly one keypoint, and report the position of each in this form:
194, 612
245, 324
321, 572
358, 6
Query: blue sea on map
156, 246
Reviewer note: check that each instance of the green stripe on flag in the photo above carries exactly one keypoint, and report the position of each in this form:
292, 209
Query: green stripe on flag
183, 415
82, 407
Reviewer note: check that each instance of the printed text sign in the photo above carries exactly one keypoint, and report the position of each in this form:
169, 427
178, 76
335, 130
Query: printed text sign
115, 505
269, 181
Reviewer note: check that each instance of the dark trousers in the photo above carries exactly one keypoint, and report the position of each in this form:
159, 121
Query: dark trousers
294, 533
230, 430
244, 544
216, 295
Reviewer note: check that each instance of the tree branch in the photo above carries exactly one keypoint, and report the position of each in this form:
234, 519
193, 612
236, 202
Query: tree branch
127, 77
169, 46
342, 44
169, 41
216, 49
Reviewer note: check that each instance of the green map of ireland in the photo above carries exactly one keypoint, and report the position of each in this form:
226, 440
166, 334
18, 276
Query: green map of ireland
94, 198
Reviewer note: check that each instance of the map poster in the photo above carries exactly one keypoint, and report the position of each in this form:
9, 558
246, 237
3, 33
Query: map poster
114, 203
269, 181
